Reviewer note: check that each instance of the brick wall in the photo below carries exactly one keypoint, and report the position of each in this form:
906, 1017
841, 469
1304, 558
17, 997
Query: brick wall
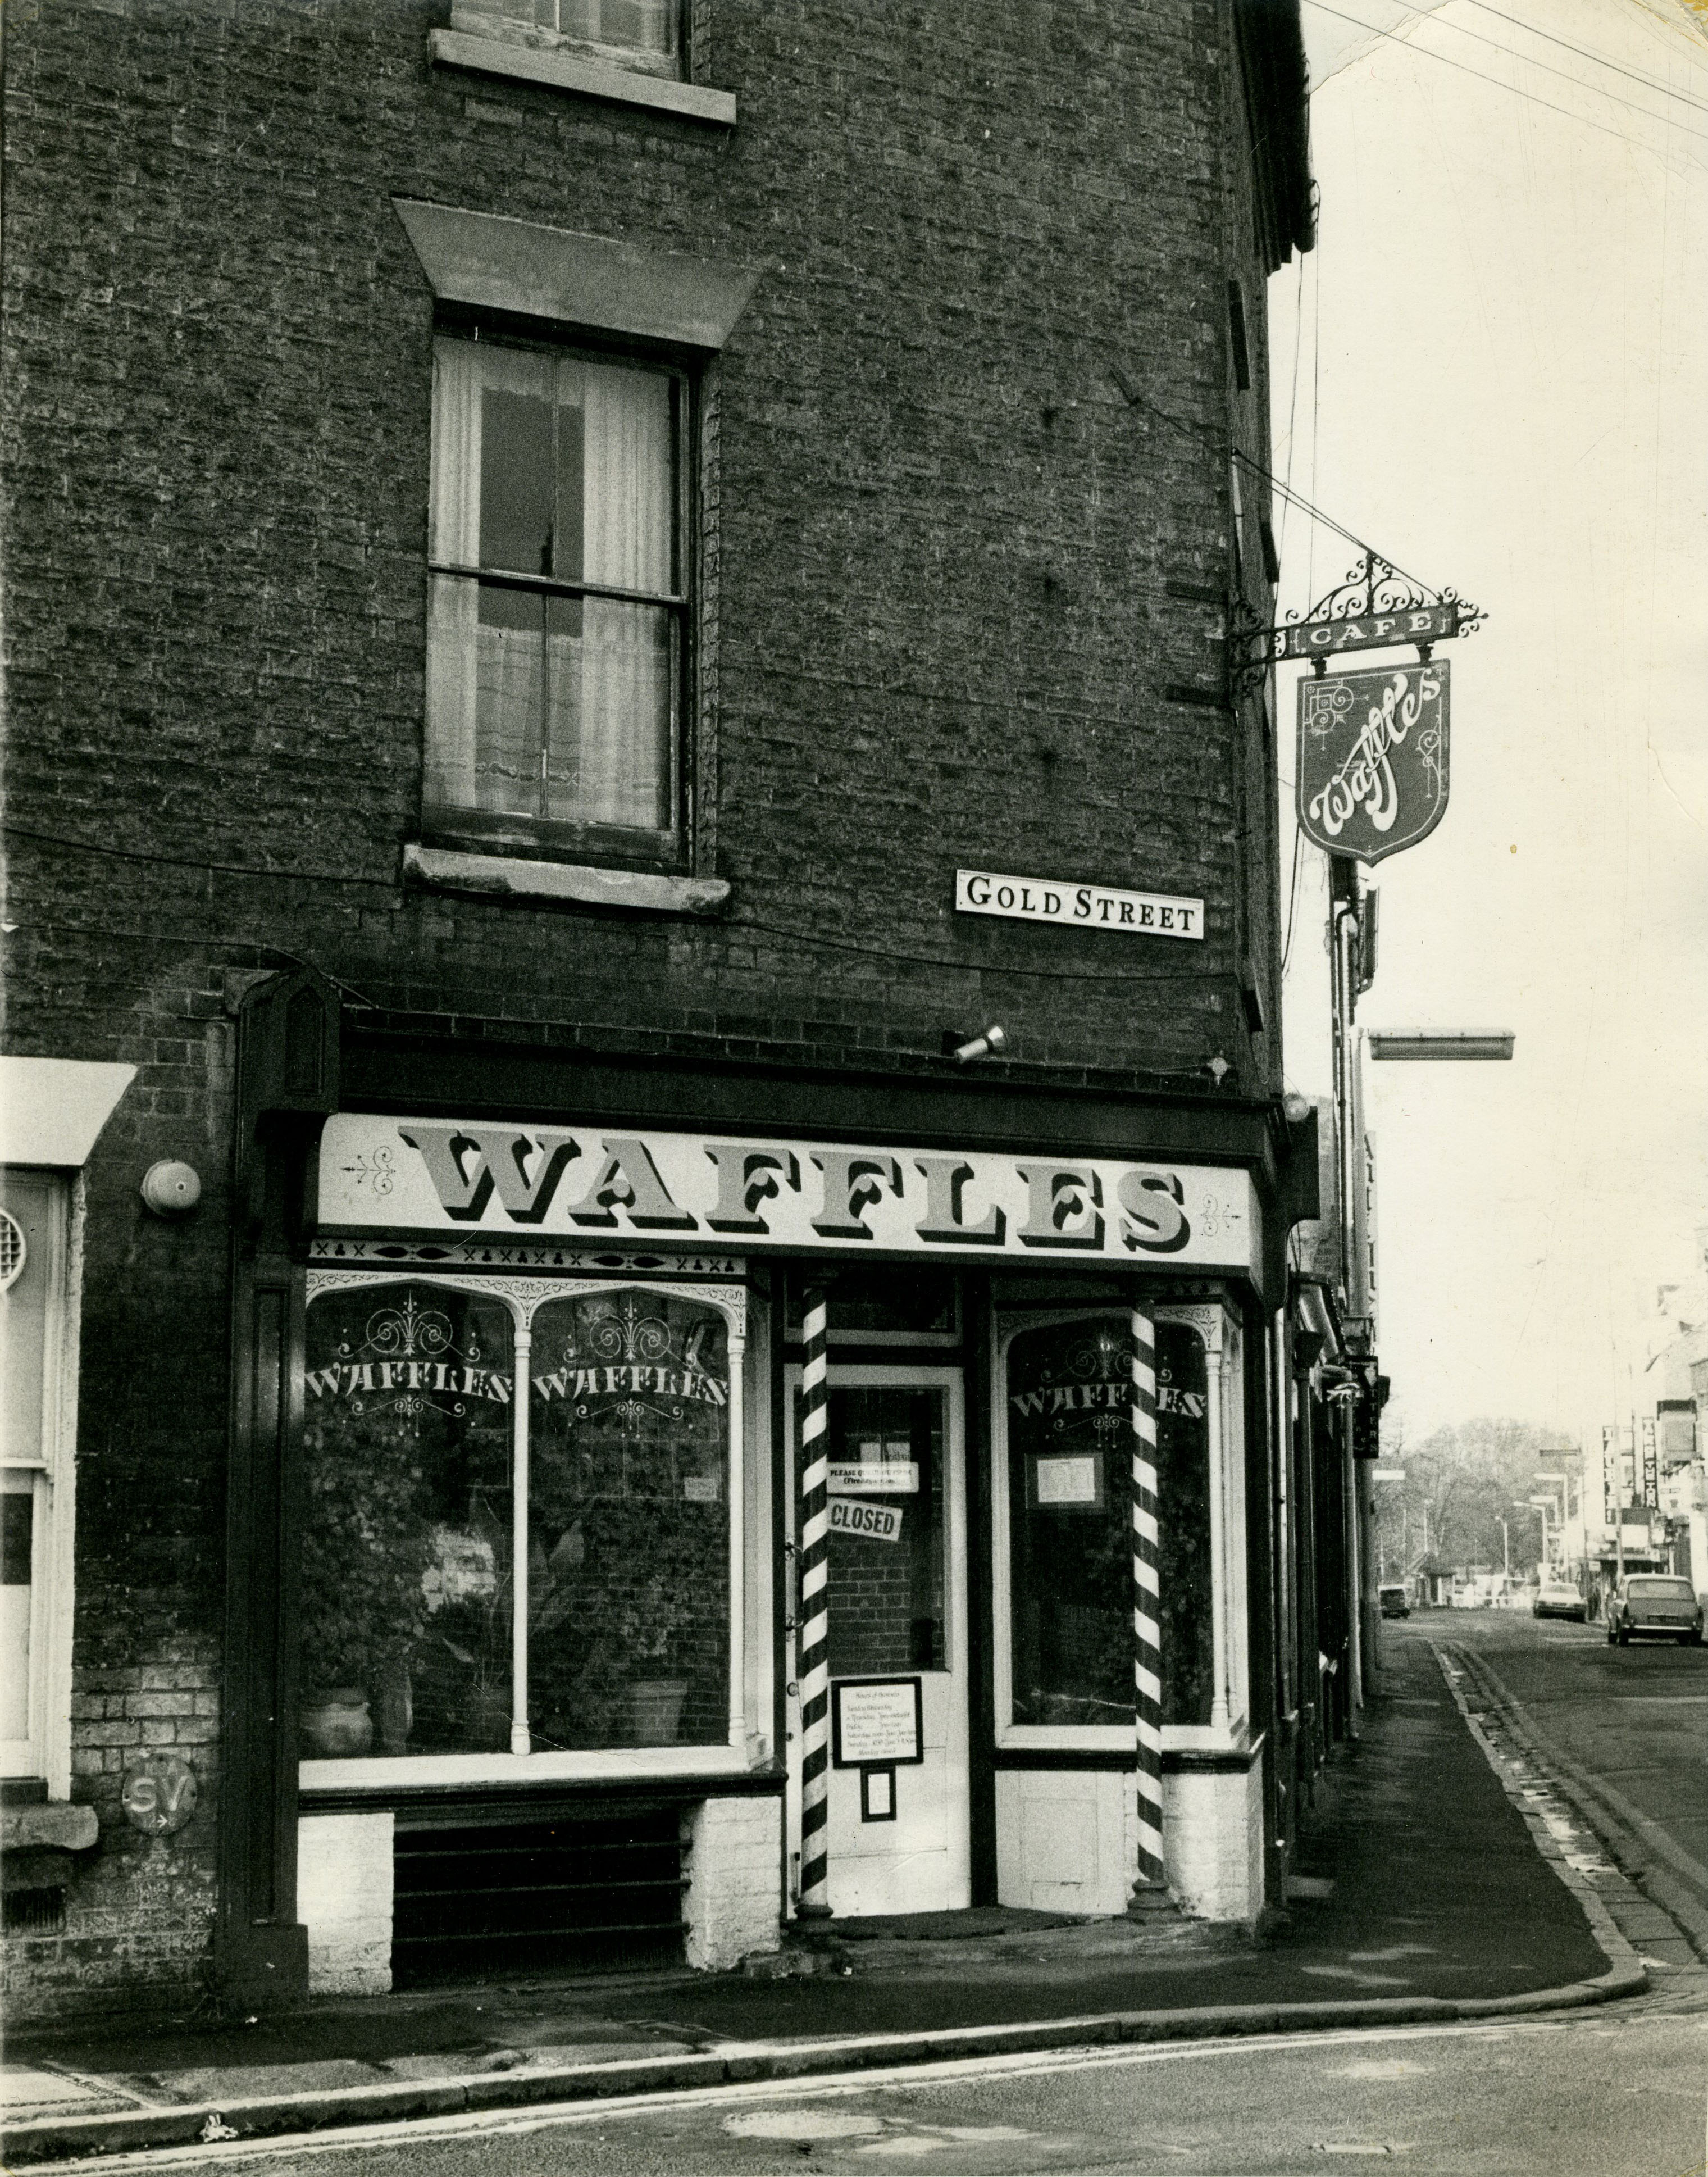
942, 557
944, 538
139, 1910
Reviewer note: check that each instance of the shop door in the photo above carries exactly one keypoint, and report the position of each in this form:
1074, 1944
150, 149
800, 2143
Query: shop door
897, 1600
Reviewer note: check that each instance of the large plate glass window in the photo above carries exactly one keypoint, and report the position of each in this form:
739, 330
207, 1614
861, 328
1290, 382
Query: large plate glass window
407, 1566
1070, 1427
492, 1568
628, 1523
557, 616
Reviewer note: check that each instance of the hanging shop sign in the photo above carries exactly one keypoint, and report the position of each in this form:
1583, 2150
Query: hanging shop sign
449, 1177
1376, 630
1078, 906
1372, 768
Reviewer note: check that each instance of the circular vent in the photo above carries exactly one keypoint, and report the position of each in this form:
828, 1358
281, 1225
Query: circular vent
11, 1249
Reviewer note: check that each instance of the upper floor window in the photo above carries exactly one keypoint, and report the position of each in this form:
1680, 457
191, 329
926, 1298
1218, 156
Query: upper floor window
558, 616
634, 34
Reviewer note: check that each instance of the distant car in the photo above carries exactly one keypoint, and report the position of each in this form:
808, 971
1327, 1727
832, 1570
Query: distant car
1654, 1602
1556, 1598
1390, 1599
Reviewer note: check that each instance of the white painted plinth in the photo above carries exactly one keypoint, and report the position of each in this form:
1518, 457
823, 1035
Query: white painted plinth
1212, 1833
733, 1902
344, 1894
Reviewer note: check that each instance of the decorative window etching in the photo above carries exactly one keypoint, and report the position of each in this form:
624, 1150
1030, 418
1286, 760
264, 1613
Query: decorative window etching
1066, 1385
523, 1534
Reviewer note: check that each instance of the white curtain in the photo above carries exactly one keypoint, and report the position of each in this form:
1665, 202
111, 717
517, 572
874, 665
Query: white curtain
625, 675
453, 539
596, 703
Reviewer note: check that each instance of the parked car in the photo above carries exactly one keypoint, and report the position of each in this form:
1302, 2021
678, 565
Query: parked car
1656, 1602
1390, 1599
1557, 1598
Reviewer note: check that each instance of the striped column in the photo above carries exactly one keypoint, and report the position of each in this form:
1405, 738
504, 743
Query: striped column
812, 1636
1147, 1612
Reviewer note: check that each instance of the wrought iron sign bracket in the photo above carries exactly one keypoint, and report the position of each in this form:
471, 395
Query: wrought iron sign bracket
1375, 608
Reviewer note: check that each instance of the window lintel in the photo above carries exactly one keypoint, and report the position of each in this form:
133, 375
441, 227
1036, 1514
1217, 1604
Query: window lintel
490, 262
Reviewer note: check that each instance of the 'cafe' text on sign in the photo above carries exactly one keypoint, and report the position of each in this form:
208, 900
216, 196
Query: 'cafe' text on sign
480, 1176
1382, 631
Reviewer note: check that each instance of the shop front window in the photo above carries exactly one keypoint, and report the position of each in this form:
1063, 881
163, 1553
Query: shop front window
420, 1633
407, 1579
1070, 1549
628, 1608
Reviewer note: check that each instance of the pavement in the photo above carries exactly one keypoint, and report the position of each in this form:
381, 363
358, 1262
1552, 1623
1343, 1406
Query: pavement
1438, 1878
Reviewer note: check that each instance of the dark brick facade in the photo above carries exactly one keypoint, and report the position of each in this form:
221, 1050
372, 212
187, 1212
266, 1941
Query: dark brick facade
962, 600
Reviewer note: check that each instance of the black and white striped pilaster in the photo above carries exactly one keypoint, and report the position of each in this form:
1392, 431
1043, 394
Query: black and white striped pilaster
1147, 1613
812, 1665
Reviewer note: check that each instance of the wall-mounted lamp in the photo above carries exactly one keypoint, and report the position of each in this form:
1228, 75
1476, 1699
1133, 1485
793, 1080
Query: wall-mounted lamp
964, 1049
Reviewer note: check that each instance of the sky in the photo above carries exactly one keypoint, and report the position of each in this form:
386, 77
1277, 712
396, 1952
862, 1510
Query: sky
1493, 368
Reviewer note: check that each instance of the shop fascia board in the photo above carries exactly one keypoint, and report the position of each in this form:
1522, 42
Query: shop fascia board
441, 1072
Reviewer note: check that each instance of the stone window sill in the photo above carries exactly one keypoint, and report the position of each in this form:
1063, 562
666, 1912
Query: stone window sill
498, 876
54, 1825
560, 71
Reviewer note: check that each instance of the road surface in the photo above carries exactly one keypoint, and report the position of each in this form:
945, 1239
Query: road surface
1627, 1727
1597, 2095
1620, 2091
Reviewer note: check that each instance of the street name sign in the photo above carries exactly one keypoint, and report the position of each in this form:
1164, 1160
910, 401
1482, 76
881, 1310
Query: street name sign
1078, 906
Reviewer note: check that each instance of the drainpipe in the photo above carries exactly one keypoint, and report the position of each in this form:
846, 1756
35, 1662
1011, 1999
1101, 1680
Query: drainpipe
1343, 930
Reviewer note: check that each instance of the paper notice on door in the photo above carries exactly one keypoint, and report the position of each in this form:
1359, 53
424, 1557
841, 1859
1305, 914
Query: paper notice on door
876, 1719
875, 1477
1068, 1481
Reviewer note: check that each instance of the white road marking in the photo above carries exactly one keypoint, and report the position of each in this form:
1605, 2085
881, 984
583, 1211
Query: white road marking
802, 2125
1382, 2067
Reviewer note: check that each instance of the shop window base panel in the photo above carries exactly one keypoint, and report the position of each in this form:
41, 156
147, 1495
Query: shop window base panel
584, 1895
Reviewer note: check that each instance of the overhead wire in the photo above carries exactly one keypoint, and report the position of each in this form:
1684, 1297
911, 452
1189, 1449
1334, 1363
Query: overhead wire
1136, 399
1600, 60
1530, 60
1428, 52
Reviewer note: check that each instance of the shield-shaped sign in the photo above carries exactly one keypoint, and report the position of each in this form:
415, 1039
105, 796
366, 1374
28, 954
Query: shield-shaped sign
1372, 759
